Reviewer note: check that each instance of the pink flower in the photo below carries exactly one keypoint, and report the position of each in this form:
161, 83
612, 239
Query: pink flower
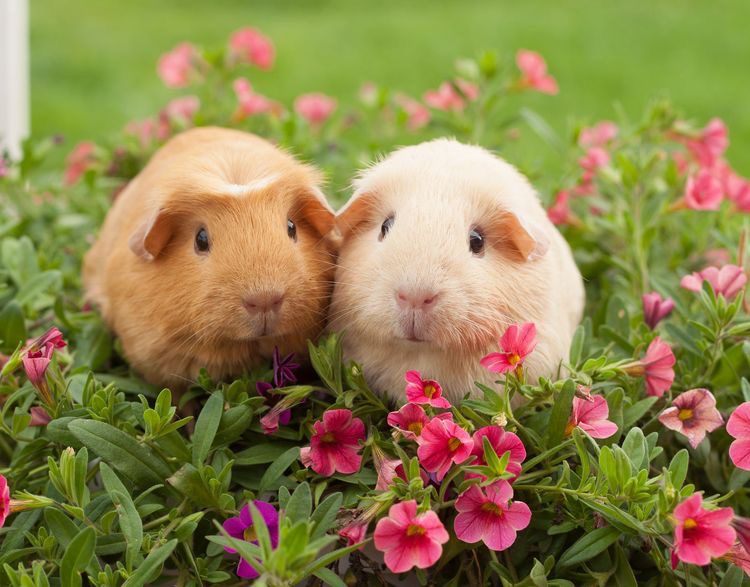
354, 533
316, 108
3, 167
80, 159
740, 557
742, 527
468, 89
444, 98
727, 281
559, 212
442, 443
39, 416
252, 46
657, 366
501, 442
4, 500
656, 308
175, 67
182, 110
409, 539
250, 103
409, 420
516, 344
591, 417
693, 413
489, 515
385, 468
598, 135
424, 391
146, 131
37, 356
534, 74
701, 534
419, 115
738, 427
703, 191
736, 188
710, 146
594, 159
334, 446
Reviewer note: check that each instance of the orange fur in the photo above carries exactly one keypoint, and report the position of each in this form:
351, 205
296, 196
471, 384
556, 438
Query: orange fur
177, 311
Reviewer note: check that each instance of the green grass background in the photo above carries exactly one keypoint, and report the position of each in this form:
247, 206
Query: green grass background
93, 61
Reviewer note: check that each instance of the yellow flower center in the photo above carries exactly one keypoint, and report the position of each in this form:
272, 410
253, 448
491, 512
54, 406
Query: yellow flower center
514, 359
492, 508
453, 444
685, 414
328, 437
689, 524
415, 530
415, 427
429, 390
249, 534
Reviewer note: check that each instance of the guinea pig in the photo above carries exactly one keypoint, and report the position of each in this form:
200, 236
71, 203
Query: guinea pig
445, 245
217, 252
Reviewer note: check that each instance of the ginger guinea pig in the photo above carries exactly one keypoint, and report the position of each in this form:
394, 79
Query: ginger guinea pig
443, 247
217, 252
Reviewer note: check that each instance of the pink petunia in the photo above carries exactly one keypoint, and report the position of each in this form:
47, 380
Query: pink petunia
590, 415
516, 344
4, 500
736, 188
727, 281
418, 114
598, 135
693, 413
249, 45
534, 74
80, 159
445, 98
3, 167
250, 102
39, 416
424, 391
334, 446
410, 420
176, 66
656, 308
442, 443
657, 366
711, 144
182, 110
559, 213
742, 527
739, 556
594, 159
316, 108
409, 539
488, 515
703, 191
501, 442
385, 467
738, 427
701, 534
354, 533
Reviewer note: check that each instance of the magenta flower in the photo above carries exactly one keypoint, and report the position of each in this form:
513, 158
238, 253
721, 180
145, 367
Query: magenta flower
385, 467
598, 135
334, 446
501, 442
590, 415
249, 45
37, 357
283, 369
516, 344
739, 556
657, 366
424, 391
693, 413
701, 534
354, 533
316, 108
738, 426
4, 500
703, 191
79, 160
727, 281
442, 443
534, 74
490, 516
39, 416
241, 528
656, 308
409, 420
175, 67
409, 539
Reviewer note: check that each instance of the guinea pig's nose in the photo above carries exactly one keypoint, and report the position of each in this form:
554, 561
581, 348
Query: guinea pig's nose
264, 302
415, 299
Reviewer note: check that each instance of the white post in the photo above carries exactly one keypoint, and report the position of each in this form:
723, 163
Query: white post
14, 75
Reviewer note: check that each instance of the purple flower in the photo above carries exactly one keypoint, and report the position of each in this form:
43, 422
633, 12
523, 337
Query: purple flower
241, 528
272, 399
283, 369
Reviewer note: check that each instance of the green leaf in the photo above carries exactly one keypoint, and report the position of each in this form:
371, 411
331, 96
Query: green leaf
130, 524
151, 566
233, 423
588, 546
623, 576
576, 346
275, 469
76, 558
325, 514
299, 506
206, 427
94, 347
636, 449
61, 526
39, 284
678, 467
329, 577
12, 326
260, 454
121, 451
560, 414
542, 128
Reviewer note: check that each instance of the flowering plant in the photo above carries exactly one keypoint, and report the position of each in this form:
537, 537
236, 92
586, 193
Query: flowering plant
630, 466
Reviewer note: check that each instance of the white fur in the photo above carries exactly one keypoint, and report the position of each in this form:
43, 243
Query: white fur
240, 190
438, 191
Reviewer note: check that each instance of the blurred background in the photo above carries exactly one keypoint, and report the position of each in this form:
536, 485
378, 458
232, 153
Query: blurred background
93, 62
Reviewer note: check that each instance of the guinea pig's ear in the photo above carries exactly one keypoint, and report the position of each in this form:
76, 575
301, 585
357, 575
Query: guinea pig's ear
356, 212
314, 208
519, 237
150, 238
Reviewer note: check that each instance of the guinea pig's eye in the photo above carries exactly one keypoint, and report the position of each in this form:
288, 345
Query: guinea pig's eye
291, 230
386, 226
476, 241
201, 241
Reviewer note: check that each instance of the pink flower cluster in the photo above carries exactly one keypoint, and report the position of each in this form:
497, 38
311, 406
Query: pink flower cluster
37, 357
726, 281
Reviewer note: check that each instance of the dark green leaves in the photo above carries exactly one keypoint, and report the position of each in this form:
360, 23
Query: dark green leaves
206, 427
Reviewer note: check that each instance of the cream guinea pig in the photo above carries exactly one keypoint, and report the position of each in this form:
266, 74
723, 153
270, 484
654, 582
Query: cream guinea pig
218, 251
444, 245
